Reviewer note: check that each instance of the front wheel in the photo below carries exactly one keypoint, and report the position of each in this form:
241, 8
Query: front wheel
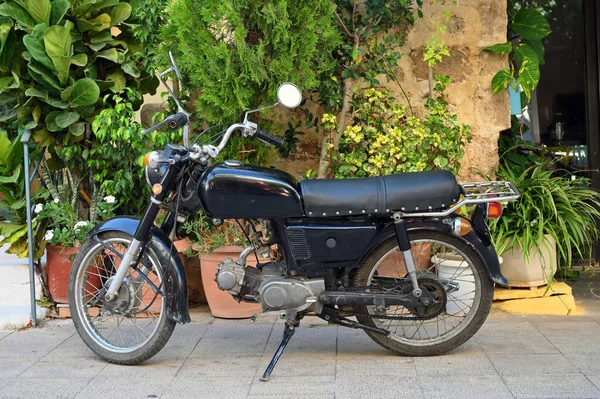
445, 264
133, 327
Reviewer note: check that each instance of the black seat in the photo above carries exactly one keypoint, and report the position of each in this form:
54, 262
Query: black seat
409, 192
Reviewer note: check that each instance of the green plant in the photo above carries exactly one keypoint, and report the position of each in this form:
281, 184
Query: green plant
206, 237
566, 209
58, 58
371, 32
66, 226
13, 230
525, 52
384, 140
237, 53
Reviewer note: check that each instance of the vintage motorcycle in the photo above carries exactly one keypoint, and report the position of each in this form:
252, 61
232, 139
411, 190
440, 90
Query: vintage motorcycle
391, 252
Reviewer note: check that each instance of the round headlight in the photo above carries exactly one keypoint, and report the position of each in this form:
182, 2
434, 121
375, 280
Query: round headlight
152, 176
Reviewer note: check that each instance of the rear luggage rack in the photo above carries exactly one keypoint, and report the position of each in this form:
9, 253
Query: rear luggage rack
474, 193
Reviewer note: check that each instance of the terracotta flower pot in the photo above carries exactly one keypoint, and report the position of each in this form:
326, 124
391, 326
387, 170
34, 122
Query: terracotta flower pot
393, 265
58, 267
196, 293
221, 303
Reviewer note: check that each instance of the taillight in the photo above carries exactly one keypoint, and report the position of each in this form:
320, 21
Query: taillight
494, 210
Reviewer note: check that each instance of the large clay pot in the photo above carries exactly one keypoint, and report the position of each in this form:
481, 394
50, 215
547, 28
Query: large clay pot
221, 303
196, 293
58, 267
536, 272
393, 265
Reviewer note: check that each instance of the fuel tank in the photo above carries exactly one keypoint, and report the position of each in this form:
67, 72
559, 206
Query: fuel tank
233, 190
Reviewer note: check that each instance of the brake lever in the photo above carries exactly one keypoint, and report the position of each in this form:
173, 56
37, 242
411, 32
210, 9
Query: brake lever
155, 127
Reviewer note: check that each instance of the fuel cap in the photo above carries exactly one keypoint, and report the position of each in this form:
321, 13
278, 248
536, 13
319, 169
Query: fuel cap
233, 163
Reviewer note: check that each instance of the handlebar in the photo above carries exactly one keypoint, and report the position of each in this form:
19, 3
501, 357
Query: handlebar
173, 122
270, 138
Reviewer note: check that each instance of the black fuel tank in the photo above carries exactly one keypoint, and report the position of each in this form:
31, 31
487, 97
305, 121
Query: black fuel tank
233, 190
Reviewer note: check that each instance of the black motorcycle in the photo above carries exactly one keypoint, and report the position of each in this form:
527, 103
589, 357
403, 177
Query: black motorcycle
389, 255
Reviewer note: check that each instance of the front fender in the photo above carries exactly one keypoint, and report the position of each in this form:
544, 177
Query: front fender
482, 245
169, 259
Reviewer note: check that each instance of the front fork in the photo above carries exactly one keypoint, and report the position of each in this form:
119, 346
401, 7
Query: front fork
141, 235
409, 262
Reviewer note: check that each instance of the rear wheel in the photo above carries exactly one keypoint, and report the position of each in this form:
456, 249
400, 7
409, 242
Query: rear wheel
135, 326
442, 261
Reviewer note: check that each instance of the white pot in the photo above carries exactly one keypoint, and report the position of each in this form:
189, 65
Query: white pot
542, 264
456, 270
15, 302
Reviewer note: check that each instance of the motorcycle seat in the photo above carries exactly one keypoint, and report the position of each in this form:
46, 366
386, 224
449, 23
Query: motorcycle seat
381, 195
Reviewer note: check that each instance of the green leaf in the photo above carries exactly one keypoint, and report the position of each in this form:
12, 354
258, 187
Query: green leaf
39, 10
130, 69
35, 92
538, 46
37, 51
525, 53
51, 124
5, 82
56, 103
501, 48
119, 13
529, 75
43, 75
101, 22
18, 13
77, 129
530, 24
85, 92
58, 41
79, 59
119, 80
501, 80
66, 119
59, 9
110, 54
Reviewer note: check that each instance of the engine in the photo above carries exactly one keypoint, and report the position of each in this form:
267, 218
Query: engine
270, 285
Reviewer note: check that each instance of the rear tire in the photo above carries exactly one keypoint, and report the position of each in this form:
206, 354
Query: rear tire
468, 309
123, 337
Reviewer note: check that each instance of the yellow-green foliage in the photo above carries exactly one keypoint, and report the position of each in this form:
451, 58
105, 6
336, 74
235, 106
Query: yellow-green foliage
383, 139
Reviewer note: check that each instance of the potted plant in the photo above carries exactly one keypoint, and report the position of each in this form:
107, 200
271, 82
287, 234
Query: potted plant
554, 215
214, 244
66, 228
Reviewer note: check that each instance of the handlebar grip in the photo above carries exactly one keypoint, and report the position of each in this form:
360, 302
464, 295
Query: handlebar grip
178, 120
270, 138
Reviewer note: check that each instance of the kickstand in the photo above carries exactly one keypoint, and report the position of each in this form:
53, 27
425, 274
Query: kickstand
290, 328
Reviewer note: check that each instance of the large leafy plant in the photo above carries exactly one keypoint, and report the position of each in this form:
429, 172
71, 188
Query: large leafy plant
525, 53
58, 58
566, 209
13, 230
383, 139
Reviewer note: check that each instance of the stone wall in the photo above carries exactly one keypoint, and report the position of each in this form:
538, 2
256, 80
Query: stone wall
474, 25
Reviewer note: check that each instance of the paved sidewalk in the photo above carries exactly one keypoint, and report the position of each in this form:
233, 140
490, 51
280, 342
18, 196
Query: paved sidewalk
511, 356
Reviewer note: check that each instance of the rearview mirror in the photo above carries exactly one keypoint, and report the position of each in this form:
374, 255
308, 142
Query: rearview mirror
174, 66
289, 95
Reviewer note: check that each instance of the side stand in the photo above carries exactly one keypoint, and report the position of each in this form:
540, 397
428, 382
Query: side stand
290, 328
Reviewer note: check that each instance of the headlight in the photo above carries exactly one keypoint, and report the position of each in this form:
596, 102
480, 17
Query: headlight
154, 176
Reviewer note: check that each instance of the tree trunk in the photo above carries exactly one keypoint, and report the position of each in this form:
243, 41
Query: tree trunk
342, 118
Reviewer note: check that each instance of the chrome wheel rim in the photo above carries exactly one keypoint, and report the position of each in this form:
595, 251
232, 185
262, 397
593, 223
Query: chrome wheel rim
461, 306
118, 333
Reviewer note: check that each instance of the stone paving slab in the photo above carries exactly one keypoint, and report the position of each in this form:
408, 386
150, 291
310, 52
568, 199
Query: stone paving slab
512, 356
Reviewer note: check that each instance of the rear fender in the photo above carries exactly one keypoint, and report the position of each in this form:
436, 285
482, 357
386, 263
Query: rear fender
169, 260
475, 239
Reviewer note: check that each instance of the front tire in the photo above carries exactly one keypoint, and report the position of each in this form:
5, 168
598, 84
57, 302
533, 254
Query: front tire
463, 313
139, 327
